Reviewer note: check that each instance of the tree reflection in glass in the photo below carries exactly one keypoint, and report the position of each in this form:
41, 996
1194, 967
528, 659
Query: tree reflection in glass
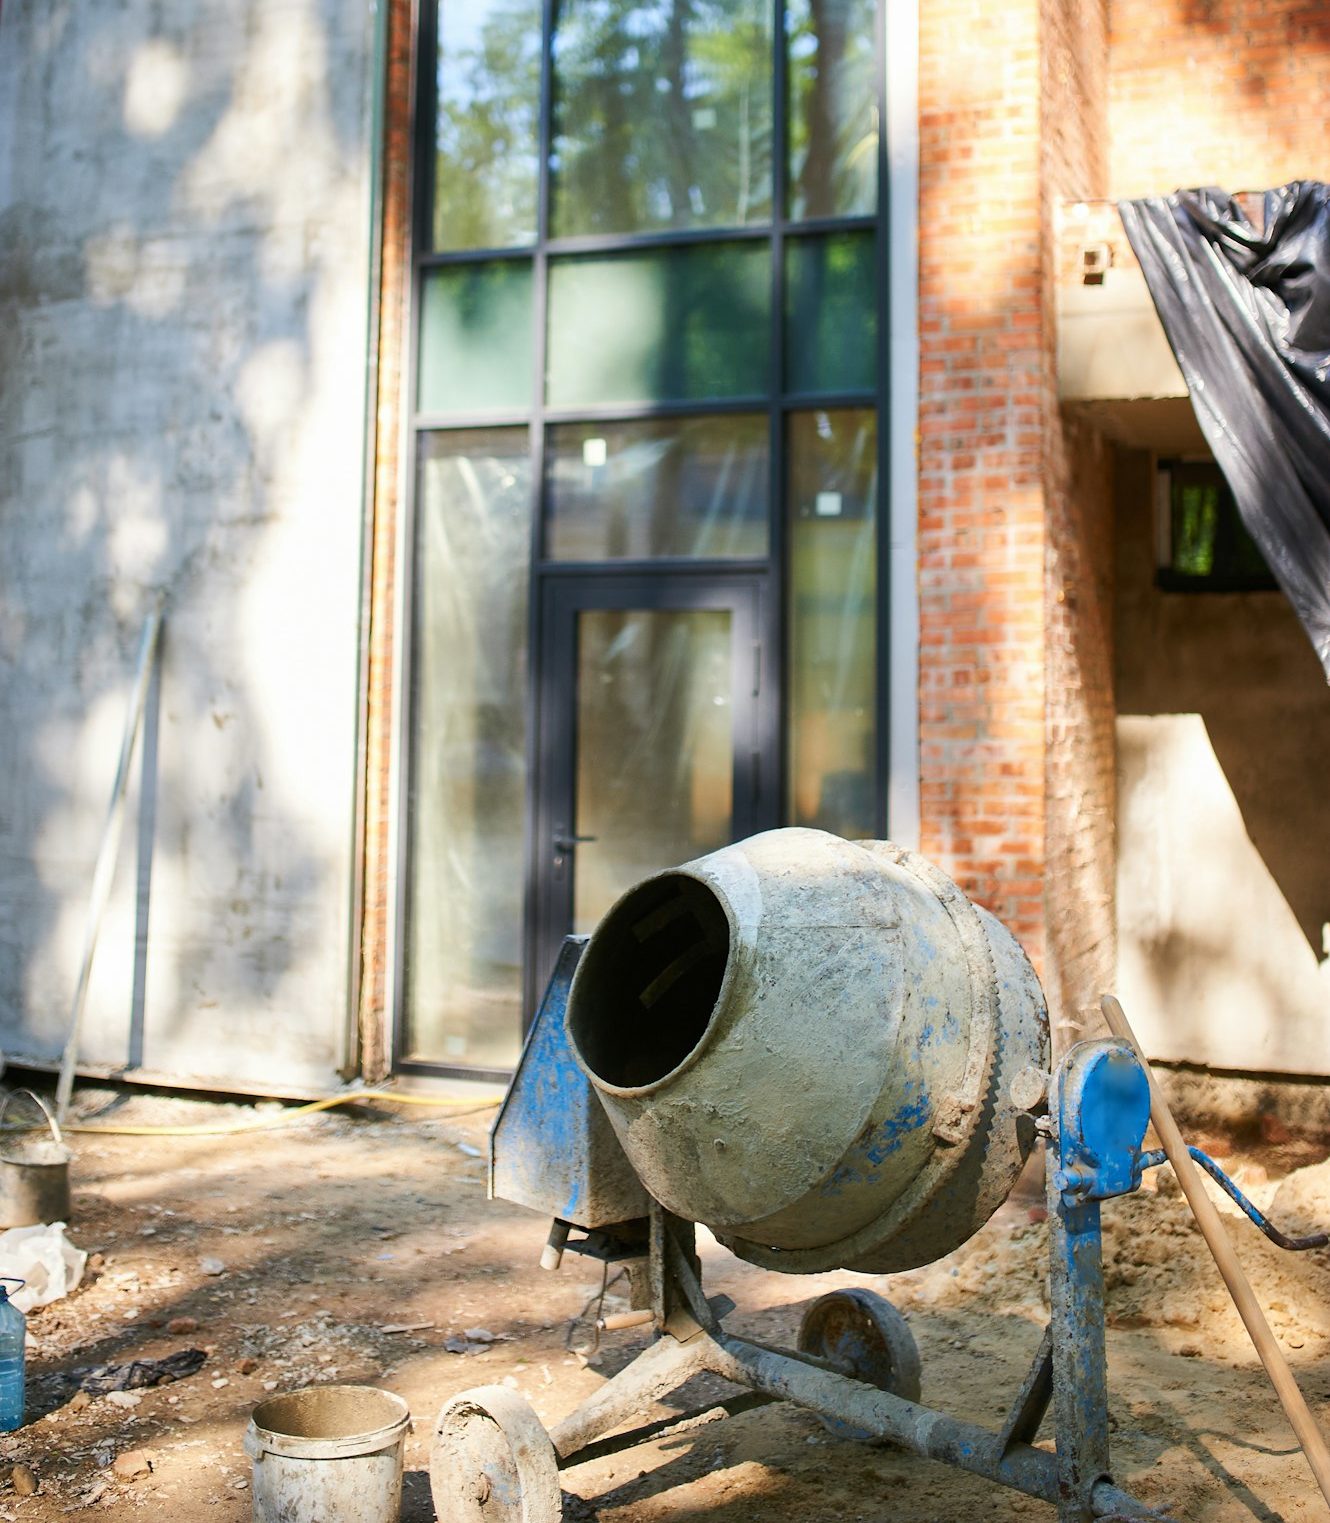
662, 115
831, 503
487, 124
659, 325
830, 313
833, 107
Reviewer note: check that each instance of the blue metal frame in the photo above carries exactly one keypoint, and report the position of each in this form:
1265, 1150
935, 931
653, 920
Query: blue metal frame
552, 1148
545, 1154
551, 1145
1102, 1107
1257, 1217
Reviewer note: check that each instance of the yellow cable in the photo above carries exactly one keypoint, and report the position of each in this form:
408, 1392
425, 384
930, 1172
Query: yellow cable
281, 1118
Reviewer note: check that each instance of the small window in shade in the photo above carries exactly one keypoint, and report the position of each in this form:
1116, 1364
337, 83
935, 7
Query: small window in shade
831, 508
486, 123
830, 314
666, 486
833, 113
674, 324
476, 338
1203, 545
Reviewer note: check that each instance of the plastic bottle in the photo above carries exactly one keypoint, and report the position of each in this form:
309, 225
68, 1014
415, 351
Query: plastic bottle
13, 1339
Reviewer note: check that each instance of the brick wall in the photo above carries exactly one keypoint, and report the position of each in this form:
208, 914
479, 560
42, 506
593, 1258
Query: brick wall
1140, 97
1025, 110
1016, 701
983, 400
1230, 94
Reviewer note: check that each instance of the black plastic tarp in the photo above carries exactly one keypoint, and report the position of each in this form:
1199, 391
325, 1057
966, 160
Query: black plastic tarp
1247, 311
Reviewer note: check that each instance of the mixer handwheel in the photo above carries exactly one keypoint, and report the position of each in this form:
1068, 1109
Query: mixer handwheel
862, 1335
492, 1461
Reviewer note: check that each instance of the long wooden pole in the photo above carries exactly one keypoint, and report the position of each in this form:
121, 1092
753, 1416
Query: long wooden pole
1217, 1239
106, 858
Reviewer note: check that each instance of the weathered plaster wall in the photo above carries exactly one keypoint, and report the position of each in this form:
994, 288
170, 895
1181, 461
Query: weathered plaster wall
1223, 875
184, 219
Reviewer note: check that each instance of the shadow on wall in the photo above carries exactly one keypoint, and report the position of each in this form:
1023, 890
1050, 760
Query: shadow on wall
1223, 816
182, 202
1241, 664
1209, 946
1278, 778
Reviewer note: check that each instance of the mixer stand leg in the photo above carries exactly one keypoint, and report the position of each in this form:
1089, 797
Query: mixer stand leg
1076, 1327
660, 1369
480, 1442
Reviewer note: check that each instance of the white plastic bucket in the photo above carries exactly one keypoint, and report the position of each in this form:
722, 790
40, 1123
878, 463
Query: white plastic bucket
328, 1452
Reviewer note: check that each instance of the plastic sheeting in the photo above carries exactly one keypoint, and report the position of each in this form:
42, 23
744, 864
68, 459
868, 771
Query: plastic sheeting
1247, 312
45, 1260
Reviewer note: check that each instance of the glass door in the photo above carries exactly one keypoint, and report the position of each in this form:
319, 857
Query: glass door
650, 737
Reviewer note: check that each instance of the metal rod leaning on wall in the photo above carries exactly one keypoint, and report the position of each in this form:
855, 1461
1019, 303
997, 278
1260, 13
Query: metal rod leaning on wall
1212, 1229
106, 856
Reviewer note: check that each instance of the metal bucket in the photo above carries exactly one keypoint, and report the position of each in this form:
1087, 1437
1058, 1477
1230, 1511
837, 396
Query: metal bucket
809, 1044
34, 1172
328, 1452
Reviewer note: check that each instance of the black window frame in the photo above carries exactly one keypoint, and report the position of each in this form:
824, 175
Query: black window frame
777, 403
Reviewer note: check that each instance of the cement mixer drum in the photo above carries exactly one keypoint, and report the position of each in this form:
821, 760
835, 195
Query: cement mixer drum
808, 1044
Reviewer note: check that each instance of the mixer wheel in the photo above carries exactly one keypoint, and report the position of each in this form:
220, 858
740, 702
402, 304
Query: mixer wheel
492, 1461
864, 1336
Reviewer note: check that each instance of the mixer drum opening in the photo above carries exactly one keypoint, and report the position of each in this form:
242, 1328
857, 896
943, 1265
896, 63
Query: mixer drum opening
649, 982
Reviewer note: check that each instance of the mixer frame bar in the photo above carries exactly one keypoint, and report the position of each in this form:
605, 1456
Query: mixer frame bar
1093, 1111
1095, 1125
1069, 1368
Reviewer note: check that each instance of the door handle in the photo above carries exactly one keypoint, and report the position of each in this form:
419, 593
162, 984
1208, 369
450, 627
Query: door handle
563, 843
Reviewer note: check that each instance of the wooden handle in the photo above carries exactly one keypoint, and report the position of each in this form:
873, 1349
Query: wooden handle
1217, 1239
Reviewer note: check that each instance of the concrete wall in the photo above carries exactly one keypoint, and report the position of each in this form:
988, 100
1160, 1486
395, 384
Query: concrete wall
1223, 817
183, 306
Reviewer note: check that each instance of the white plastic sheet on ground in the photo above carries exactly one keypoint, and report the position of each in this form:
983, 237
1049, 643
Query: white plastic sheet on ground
45, 1259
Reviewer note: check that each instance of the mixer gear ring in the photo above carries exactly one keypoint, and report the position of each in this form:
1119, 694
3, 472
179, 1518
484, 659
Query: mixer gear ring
861, 1334
492, 1461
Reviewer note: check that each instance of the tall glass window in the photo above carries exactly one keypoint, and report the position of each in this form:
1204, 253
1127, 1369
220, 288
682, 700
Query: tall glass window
646, 340
468, 764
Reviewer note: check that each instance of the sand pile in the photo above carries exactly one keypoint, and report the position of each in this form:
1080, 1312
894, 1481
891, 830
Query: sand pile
1157, 1269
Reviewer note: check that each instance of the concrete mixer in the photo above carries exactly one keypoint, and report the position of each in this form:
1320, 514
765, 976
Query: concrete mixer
824, 1052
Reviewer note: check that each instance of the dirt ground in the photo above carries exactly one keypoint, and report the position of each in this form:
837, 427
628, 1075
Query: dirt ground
338, 1229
